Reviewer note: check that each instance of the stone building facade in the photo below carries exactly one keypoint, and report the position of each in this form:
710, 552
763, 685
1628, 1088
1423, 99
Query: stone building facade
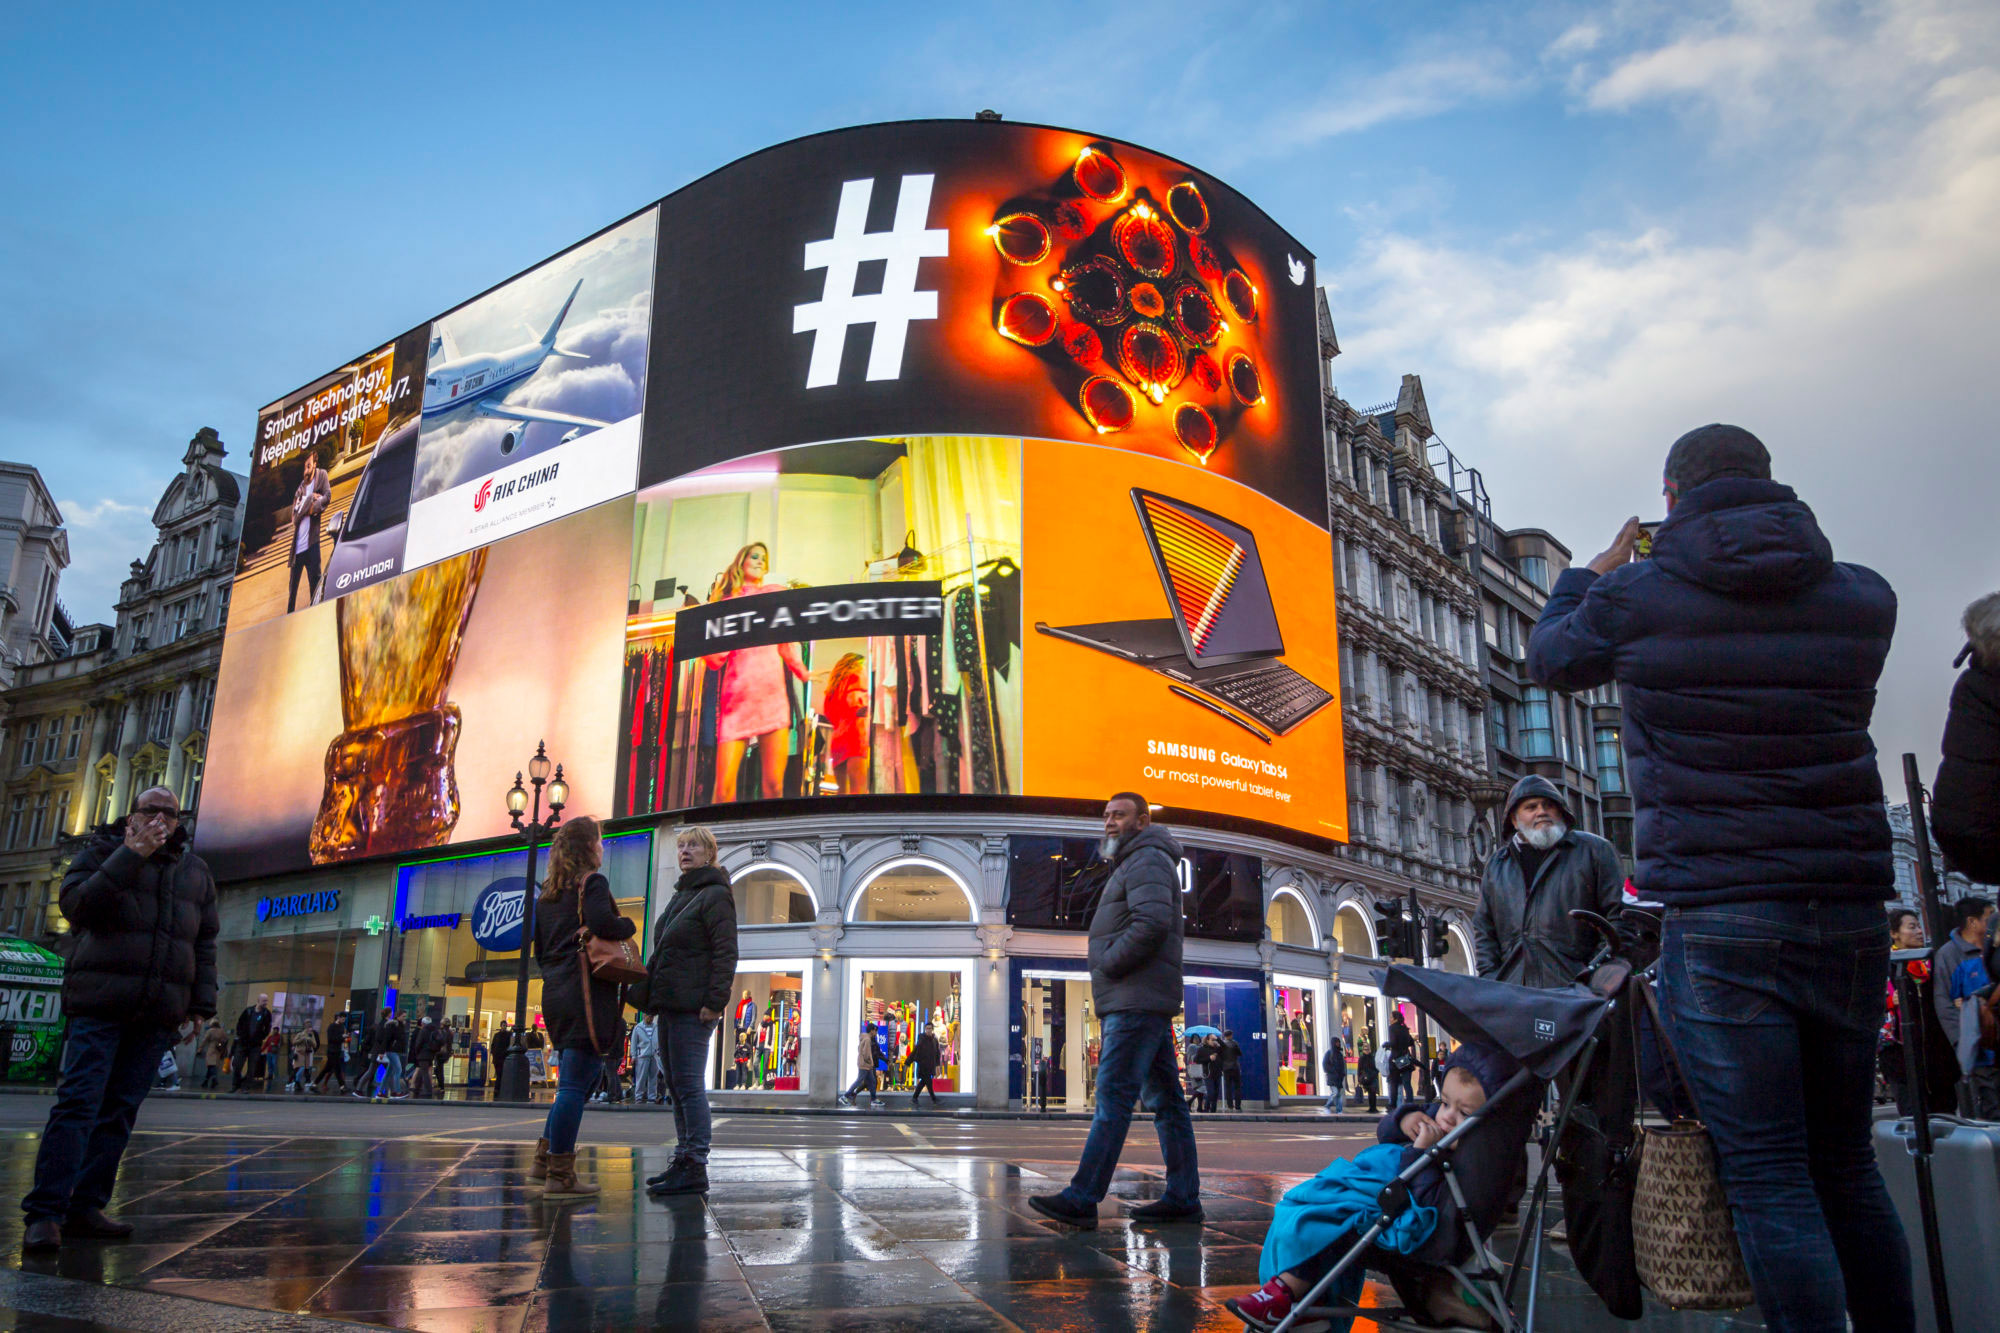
126, 705
34, 551
1412, 696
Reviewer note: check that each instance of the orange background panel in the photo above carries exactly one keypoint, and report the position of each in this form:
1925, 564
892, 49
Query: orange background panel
1089, 715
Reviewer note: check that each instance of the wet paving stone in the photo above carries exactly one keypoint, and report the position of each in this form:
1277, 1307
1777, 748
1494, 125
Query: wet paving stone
453, 1238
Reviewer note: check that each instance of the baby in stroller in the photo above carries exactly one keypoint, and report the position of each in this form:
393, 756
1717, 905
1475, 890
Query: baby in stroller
1318, 1222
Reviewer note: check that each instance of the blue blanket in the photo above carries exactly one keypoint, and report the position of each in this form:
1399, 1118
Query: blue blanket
1336, 1207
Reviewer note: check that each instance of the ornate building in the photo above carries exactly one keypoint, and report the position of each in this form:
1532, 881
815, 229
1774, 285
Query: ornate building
34, 551
124, 706
1413, 701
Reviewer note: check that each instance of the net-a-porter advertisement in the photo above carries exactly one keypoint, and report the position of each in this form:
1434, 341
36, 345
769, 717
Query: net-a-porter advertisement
935, 459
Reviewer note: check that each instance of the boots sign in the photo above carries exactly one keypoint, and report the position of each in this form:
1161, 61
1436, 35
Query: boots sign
497, 912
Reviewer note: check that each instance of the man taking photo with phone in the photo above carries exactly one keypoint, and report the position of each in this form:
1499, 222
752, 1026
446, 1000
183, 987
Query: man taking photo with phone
141, 909
1746, 659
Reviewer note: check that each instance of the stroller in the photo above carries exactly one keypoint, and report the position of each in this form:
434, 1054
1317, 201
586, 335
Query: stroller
1548, 1032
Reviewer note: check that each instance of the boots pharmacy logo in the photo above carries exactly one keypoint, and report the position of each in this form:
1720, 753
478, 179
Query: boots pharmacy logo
482, 495
497, 913
889, 310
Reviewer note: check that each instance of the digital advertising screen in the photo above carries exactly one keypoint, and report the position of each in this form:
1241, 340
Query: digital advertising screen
936, 459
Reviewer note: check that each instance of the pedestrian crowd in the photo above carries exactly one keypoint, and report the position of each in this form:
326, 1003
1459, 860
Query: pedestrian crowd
1747, 660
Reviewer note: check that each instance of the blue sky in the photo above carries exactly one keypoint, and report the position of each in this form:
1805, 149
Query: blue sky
1588, 227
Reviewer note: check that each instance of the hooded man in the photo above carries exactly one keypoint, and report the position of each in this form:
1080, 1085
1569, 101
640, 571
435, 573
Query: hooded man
1965, 808
1747, 659
141, 910
1135, 982
1545, 869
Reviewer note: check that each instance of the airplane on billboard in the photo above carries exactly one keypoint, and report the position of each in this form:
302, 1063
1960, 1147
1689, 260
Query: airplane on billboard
478, 383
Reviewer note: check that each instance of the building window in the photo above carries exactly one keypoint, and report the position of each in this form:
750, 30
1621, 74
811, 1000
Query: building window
1538, 737
204, 704
221, 605
75, 737
17, 819
909, 892
100, 813
39, 824
142, 629
52, 742
160, 716
1610, 762
179, 611
62, 814
196, 751
24, 753
769, 896
1535, 569
1497, 720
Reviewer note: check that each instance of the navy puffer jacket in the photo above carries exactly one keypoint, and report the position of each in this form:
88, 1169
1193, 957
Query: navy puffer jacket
1747, 660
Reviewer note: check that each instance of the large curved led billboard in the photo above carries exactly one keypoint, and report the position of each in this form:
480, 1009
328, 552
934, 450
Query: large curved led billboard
939, 458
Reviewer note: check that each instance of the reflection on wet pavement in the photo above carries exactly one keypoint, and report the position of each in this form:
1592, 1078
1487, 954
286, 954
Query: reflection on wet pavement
435, 1235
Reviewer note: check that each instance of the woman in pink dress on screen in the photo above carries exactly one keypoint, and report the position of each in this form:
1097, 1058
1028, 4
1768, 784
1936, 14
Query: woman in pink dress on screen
751, 703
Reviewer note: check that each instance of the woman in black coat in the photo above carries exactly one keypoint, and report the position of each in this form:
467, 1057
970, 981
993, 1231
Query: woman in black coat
687, 984
581, 1029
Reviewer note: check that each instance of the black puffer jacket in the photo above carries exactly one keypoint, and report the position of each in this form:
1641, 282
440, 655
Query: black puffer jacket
144, 929
1522, 932
1965, 809
1135, 933
694, 947
557, 949
1747, 660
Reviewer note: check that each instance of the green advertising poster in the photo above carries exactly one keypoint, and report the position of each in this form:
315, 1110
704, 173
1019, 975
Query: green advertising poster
31, 1017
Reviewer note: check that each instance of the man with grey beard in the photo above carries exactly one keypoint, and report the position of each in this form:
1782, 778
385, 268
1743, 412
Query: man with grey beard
1546, 869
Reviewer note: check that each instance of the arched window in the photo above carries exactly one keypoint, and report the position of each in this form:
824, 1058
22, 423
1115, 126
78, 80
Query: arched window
769, 895
1289, 920
911, 891
1458, 953
1352, 932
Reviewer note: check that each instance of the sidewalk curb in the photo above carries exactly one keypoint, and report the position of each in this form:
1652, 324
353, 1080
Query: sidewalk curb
727, 1108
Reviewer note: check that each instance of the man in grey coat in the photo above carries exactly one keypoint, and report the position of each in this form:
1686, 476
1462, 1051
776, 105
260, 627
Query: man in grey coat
1545, 869
1135, 982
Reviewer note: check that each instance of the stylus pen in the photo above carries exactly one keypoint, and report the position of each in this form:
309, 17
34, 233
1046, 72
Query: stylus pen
1220, 711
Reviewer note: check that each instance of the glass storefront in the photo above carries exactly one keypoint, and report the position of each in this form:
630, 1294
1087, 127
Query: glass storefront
1359, 1026
1060, 1039
895, 998
1296, 1007
760, 1044
1230, 1005
435, 966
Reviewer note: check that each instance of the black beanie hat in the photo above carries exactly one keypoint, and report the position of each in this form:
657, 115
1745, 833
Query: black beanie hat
1713, 451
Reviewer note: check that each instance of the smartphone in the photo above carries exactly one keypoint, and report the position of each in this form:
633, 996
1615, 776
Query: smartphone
1643, 548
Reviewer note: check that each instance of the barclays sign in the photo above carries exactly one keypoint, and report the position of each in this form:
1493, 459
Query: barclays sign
298, 904
497, 914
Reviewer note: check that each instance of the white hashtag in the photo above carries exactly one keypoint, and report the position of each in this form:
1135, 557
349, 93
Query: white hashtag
889, 310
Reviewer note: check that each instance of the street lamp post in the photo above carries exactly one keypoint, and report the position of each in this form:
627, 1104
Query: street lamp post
514, 1076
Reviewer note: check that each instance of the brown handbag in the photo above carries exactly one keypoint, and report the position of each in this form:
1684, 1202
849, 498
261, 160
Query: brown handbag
615, 961
1683, 1238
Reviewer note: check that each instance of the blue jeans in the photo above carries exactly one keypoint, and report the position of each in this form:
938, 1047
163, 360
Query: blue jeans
107, 1069
1336, 1093
392, 1075
1775, 1007
576, 1076
1137, 1058
684, 1044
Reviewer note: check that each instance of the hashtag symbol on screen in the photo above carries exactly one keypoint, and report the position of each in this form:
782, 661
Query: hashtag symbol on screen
889, 310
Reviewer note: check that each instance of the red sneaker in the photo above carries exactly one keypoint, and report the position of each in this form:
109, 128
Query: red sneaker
1264, 1308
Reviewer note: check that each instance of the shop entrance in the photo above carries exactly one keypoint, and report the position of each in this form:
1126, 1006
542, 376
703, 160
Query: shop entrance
896, 1005
1061, 1039
759, 1043
1295, 1010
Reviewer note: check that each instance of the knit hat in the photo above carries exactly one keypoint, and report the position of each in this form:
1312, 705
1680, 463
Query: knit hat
1714, 451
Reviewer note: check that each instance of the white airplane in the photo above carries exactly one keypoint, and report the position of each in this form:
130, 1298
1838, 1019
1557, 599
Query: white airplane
455, 383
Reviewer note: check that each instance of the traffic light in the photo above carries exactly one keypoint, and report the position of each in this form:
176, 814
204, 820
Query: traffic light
1436, 942
1392, 931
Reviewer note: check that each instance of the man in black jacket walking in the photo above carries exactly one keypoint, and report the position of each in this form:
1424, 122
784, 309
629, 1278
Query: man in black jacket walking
1965, 808
1546, 868
141, 909
1136, 984
1747, 659
925, 1059
252, 1026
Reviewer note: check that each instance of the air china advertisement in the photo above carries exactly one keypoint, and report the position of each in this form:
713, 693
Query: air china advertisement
940, 459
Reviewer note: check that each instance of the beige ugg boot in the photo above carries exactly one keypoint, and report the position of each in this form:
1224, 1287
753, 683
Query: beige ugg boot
562, 1182
540, 1170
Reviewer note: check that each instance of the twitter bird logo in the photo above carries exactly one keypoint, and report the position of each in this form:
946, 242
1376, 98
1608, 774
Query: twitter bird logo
1298, 268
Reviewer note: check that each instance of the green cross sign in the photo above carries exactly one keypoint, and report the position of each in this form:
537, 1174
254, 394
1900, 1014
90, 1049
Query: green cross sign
374, 925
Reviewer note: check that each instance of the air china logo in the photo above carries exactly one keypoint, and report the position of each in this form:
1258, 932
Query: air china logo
889, 310
482, 495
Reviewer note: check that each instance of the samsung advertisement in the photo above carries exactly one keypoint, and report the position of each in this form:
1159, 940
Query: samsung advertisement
929, 459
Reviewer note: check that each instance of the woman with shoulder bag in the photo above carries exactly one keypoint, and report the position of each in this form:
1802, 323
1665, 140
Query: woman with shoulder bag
687, 986
580, 1009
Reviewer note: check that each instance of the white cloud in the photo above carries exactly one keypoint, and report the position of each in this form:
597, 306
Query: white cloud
1851, 326
1407, 92
105, 537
